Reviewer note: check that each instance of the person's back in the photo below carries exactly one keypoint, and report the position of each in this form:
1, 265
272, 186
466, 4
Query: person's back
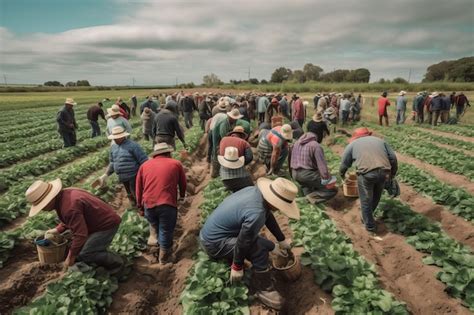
401, 102
126, 159
320, 129
119, 121
345, 105
262, 105
241, 210
368, 153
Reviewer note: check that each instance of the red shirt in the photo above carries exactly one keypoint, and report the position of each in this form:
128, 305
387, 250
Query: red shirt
158, 180
237, 142
383, 103
298, 109
84, 214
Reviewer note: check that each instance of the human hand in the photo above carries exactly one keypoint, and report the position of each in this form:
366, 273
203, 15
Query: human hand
236, 274
285, 244
279, 251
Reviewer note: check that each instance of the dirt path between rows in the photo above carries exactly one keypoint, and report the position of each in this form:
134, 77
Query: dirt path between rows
450, 147
448, 135
155, 289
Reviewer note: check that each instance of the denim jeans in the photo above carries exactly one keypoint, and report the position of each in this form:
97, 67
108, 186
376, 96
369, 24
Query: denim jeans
371, 186
163, 219
69, 138
257, 255
281, 160
188, 119
345, 116
401, 116
95, 128
310, 182
130, 188
95, 251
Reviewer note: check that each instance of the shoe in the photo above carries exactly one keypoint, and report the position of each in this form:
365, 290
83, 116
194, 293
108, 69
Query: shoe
263, 283
166, 256
155, 255
152, 239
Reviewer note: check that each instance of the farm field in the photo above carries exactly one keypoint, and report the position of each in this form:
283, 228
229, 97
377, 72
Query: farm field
423, 262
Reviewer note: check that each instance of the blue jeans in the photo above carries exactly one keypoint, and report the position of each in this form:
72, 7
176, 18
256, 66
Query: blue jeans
257, 255
371, 186
95, 128
401, 116
69, 138
95, 251
188, 119
163, 219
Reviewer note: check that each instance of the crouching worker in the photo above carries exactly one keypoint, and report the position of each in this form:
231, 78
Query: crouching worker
310, 170
232, 230
93, 223
235, 153
157, 195
125, 158
273, 148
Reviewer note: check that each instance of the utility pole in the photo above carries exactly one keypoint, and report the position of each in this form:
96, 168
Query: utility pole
133, 80
176, 82
5, 79
249, 73
409, 76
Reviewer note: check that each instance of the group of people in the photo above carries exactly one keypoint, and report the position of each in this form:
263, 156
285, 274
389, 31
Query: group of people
155, 183
435, 107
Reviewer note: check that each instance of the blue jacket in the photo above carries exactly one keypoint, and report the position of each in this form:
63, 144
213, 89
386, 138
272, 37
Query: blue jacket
125, 159
241, 215
436, 103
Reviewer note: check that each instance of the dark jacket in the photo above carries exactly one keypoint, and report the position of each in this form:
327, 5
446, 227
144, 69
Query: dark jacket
94, 112
436, 103
188, 105
320, 129
149, 104
166, 124
66, 120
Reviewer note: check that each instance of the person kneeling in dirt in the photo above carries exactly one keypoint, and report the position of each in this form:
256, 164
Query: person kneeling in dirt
375, 163
157, 193
310, 170
125, 159
232, 232
273, 147
92, 221
234, 154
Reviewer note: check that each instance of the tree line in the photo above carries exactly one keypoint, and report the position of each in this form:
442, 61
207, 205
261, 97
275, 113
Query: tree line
461, 70
70, 83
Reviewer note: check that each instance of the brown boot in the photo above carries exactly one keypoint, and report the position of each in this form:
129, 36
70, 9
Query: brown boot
155, 255
262, 281
152, 239
166, 256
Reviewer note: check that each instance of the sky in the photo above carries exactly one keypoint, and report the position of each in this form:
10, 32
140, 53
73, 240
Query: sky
118, 42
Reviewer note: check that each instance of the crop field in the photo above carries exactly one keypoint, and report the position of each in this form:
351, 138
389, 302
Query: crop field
423, 262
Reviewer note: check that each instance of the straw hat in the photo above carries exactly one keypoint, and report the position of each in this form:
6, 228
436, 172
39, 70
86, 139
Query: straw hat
239, 130
435, 94
318, 117
281, 194
161, 148
402, 93
231, 158
359, 133
70, 101
114, 110
287, 132
234, 114
117, 133
305, 103
40, 194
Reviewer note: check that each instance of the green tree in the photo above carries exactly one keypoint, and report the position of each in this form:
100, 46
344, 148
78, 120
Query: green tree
82, 83
298, 76
281, 74
400, 80
312, 72
211, 80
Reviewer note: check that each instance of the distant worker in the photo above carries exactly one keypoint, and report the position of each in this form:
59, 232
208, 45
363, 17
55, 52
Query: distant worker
188, 108
401, 107
461, 103
93, 222
133, 110
149, 103
67, 123
158, 180
318, 127
375, 163
93, 114
435, 106
166, 127
115, 119
262, 106
147, 117
383, 103
124, 108
232, 233
125, 159
298, 110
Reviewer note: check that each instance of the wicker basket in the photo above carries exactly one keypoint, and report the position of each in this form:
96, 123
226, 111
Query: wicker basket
51, 254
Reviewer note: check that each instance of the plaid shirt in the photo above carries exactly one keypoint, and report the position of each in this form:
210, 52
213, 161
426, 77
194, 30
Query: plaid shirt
229, 173
308, 154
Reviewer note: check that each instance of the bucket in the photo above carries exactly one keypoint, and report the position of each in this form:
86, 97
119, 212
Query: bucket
288, 267
350, 187
277, 121
51, 254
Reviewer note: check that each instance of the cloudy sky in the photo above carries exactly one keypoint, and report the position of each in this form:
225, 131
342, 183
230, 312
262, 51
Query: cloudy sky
158, 42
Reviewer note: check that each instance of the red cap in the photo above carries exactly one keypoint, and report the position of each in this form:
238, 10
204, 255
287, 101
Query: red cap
274, 100
360, 132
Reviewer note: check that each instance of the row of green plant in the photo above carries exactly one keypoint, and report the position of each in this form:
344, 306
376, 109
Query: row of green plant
49, 162
453, 161
457, 200
208, 290
461, 130
426, 135
455, 260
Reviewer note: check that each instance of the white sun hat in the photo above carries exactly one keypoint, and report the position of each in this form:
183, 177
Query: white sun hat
161, 148
117, 133
231, 158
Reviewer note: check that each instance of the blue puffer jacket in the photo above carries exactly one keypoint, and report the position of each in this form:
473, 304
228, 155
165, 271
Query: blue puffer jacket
125, 160
436, 103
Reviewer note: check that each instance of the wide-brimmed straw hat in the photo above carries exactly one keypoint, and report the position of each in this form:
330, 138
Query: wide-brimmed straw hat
281, 194
434, 94
231, 158
40, 194
117, 133
318, 117
402, 93
70, 101
235, 114
360, 132
161, 148
238, 130
114, 110
287, 132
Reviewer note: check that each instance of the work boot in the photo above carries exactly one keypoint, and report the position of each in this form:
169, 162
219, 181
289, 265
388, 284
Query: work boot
263, 283
166, 256
155, 254
152, 239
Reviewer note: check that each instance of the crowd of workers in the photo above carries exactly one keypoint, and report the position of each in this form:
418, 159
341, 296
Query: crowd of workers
155, 183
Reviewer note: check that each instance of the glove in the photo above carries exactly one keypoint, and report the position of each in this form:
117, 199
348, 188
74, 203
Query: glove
103, 180
285, 245
52, 232
236, 274
279, 251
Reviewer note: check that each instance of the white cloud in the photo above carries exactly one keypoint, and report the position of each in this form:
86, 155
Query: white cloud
159, 41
